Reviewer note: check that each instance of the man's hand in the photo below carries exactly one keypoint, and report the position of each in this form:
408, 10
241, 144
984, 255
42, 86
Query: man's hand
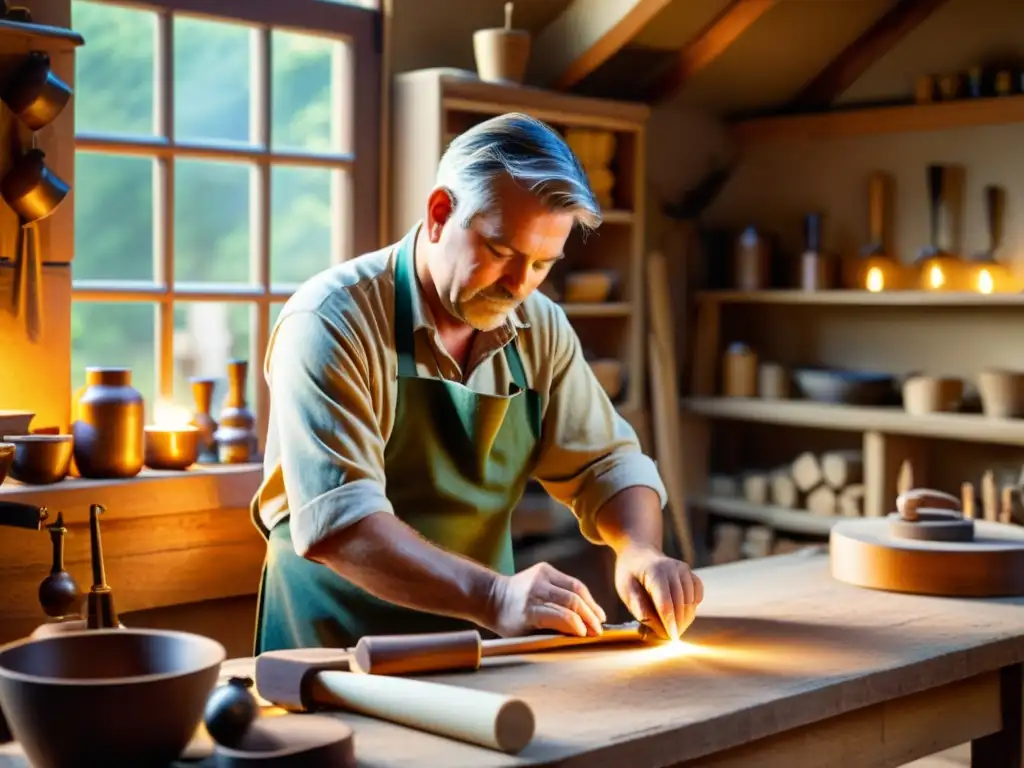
659, 591
543, 597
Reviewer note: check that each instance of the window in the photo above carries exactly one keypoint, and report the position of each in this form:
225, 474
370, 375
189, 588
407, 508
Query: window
225, 151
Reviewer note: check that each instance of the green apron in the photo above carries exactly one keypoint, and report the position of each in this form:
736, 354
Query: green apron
456, 463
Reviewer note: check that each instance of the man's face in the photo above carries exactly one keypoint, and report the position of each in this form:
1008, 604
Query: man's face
484, 272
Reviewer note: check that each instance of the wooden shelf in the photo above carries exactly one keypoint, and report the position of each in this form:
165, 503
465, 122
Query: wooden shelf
150, 492
617, 216
865, 298
41, 35
904, 118
778, 518
597, 309
967, 427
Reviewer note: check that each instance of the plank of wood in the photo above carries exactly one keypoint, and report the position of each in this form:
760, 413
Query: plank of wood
967, 427
881, 37
707, 45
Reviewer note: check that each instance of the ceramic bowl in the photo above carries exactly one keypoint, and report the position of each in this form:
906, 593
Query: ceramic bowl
117, 697
825, 385
40, 459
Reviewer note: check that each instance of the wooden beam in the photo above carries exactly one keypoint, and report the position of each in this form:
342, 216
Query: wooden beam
880, 38
586, 34
707, 45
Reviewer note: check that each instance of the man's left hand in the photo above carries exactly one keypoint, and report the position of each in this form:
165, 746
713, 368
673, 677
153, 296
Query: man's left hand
661, 592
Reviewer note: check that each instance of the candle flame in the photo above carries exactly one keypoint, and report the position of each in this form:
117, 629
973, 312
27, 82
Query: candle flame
875, 280
985, 282
936, 276
168, 414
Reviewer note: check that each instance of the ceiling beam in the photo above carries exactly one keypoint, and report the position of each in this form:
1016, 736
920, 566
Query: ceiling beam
585, 35
706, 46
880, 38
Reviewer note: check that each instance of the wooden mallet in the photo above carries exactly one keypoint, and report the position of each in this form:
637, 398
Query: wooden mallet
320, 678
451, 651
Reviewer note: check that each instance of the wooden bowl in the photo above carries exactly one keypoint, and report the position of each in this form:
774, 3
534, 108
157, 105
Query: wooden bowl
609, 374
6, 459
932, 394
1002, 393
40, 459
590, 285
118, 697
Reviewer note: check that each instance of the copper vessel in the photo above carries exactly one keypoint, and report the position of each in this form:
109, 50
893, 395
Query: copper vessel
109, 425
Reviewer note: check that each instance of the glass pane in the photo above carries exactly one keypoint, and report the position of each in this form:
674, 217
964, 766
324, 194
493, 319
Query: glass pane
113, 217
310, 109
300, 224
212, 92
206, 336
121, 334
115, 71
211, 221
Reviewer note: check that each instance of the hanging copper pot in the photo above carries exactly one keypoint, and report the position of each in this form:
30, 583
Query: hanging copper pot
35, 94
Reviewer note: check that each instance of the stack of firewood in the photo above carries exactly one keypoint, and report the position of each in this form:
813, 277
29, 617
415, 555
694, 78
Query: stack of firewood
828, 484
734, 542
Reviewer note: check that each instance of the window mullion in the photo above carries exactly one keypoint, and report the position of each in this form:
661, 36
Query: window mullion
163, 201
260, 121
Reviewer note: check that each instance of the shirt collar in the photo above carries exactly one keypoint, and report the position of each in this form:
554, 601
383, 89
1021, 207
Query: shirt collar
422, 317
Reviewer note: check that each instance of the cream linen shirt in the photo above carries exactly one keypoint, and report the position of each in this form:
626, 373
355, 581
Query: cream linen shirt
332, 370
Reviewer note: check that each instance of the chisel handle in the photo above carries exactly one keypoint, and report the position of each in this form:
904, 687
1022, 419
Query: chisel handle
478, 717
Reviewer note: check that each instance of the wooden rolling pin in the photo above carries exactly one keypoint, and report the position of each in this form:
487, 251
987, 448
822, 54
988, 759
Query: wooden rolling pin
446, 651
319, 678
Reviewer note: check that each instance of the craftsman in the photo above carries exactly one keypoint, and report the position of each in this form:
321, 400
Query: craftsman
416, 389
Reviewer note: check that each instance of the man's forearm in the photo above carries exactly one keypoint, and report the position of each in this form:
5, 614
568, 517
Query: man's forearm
391, 561
632, 517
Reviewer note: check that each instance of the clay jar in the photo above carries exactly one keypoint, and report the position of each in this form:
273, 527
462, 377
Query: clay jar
109, 425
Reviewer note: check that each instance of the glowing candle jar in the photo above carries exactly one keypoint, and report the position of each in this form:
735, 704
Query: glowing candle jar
876, 270
939, 271
171, 442
984, 273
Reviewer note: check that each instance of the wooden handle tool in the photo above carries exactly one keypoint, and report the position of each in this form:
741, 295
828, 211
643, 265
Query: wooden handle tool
314, 678
447, 651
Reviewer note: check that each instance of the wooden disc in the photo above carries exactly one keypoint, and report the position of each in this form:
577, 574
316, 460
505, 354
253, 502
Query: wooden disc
292, 741
932, 525
866, 554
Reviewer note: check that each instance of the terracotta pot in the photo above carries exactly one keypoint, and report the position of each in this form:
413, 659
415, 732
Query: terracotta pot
108, 425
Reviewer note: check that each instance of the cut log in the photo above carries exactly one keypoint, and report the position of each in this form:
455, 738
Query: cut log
842, 468
728, 543
755, 487
822, 501
905, 479
784, 490
850, 501
759, 541
723, 486
806, 471
967, 500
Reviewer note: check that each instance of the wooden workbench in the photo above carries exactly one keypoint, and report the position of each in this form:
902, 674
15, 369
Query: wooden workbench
783, 667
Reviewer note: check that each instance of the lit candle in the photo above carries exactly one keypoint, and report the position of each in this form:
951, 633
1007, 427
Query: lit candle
985, 282
875, 281
171, 442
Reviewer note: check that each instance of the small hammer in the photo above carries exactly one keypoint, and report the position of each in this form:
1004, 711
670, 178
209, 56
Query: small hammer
308, 679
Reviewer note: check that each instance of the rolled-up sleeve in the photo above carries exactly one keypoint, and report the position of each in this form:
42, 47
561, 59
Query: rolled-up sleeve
331, 448
589, 452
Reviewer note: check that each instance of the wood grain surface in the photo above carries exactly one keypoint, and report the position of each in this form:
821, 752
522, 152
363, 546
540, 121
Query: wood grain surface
778, 645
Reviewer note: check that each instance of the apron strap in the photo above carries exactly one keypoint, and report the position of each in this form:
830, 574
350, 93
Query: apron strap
405, 343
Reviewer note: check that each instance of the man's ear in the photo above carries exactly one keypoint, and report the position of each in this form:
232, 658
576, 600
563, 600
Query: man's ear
440, 207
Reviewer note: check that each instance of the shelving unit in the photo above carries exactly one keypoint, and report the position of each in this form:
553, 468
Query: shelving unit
888, 434
430, 107
900, 118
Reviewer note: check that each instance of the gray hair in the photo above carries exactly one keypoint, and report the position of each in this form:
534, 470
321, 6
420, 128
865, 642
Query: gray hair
528, 151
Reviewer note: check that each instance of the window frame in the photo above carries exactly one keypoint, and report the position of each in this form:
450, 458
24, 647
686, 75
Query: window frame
361, 29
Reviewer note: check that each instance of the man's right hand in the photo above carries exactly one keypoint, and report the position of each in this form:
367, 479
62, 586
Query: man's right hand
542, 597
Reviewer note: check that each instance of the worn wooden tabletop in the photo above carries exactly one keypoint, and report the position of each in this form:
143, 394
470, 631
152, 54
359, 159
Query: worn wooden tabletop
777, 645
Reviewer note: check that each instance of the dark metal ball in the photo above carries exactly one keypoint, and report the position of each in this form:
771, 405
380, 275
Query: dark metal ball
230, 710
